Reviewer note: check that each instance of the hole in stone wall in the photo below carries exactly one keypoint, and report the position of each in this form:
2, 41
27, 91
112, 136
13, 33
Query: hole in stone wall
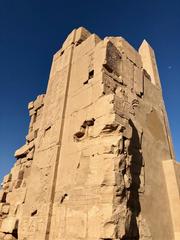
79, 134
86, 82
63, 198
91, 74
62, 52
86, 124
35, 117
4, 197
34, 213
15, 233
108, 128
79, 42
23, 155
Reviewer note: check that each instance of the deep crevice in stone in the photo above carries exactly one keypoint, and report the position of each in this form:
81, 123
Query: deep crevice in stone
34, 213
63, 198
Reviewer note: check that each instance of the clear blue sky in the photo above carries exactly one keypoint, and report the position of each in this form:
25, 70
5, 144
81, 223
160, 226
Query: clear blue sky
32, 30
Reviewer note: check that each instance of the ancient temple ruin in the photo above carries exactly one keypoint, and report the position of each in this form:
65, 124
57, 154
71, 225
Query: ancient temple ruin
98, 160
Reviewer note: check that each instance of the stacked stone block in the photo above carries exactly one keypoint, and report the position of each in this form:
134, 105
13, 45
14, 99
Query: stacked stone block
94, 163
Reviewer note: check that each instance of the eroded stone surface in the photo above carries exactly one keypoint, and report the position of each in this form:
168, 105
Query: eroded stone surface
92, 164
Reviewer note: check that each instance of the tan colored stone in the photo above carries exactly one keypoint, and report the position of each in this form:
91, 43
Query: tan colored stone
17, 196
24, 150
92, 167
113, 62
9, 237
30, 105
81, 35
5, 208
38, 103
32, 112
31, 136
77, 223
7, 178
2, 235
8, 225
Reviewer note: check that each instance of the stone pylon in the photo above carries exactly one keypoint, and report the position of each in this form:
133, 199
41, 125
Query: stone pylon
98, 162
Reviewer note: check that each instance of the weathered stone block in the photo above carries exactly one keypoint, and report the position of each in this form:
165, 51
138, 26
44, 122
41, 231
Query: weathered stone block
81, 35
38, 102
7, 178
30, 154
5, 208
30, 105
2, 235
76, 222
17, 196
113, 62
21, 152
32, 112
8, 225
31, 136
9, 237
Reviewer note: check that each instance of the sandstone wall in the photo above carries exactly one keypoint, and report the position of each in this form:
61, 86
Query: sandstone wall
94, 165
